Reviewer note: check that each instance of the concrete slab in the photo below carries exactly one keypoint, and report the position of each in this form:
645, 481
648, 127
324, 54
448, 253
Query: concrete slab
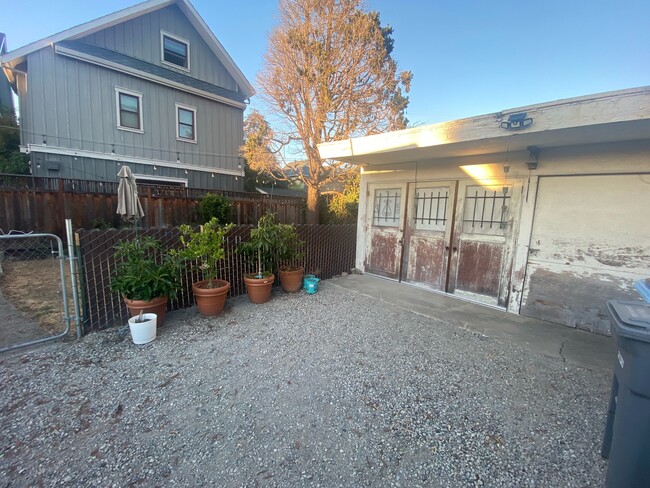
582, 348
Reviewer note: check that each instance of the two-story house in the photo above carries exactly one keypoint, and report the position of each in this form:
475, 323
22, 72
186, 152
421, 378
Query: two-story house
149, 86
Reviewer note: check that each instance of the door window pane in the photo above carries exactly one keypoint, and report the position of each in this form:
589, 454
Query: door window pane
387, 207
431, 208
487, 210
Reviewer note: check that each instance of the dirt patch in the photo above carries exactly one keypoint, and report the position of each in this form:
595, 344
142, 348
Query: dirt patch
34, 288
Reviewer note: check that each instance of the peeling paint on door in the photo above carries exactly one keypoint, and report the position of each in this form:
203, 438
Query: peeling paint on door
383, 257
426, 259
573, 299
479, 267
585, 248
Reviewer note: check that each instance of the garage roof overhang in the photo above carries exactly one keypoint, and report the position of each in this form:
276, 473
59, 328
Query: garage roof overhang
607, 117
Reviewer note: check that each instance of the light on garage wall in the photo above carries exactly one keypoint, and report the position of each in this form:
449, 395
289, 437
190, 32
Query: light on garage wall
534, 157
516, 122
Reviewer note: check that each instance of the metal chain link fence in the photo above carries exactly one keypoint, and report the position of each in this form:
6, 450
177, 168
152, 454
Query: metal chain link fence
35, 293
329, 250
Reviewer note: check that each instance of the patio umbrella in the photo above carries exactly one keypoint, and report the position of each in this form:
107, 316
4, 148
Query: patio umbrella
128, 204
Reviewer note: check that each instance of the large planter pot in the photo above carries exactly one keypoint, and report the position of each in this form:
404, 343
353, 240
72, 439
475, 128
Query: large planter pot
259, 289
157, 306
291, 279
210, 301
145, 331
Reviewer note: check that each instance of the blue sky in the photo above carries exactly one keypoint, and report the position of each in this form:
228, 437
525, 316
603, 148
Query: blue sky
468, 57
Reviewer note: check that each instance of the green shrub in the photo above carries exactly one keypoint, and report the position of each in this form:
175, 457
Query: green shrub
216, 206
271, 244
204, 245
144, 271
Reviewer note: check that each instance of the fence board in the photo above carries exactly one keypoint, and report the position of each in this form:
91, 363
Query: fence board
42, 204
329, 251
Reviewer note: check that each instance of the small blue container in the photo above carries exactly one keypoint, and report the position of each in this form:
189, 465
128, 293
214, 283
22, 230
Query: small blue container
311, 284
307, 277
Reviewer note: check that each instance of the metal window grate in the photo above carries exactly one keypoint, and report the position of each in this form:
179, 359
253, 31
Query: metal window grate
387, 207
486, 210
431, 208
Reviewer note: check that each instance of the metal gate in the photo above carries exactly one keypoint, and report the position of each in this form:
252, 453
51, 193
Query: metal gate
38, 292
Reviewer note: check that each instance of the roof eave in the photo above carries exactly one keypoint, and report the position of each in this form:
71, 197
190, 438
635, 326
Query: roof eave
16, 56
582, 120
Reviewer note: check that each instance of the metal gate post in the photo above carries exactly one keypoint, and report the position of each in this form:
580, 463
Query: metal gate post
73, 276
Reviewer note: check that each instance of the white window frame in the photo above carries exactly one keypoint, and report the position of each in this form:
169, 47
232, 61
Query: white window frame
132, 93
162, 50
178, 135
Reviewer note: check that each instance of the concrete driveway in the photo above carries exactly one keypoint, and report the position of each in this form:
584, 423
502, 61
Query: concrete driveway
335, 389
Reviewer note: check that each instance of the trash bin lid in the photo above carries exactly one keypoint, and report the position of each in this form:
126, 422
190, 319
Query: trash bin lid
632, 319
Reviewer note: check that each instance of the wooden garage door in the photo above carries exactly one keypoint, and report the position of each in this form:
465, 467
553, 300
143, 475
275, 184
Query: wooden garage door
590, 241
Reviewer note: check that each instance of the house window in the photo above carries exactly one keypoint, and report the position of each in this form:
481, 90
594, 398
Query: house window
175, 51
129, 110
185, 123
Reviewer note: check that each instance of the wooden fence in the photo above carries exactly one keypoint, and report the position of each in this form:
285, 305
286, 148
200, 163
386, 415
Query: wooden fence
329, 250
42, 204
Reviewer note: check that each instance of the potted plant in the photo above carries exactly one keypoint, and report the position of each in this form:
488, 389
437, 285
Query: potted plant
288, 252
145, 275
205, 245
143, 328
260, 247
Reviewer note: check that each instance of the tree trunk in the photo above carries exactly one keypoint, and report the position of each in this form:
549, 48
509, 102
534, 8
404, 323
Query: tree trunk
312, 205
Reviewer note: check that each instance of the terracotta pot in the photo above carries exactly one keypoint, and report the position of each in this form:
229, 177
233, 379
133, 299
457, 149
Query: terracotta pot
259, 289
291, 279
210, 301
157, 306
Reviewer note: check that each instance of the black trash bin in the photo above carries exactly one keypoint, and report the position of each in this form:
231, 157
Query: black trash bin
627, 433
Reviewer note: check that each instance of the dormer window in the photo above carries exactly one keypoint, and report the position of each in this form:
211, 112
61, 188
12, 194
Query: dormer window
175, 51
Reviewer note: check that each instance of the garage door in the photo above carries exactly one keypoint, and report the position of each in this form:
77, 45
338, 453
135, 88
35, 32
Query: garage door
590, 242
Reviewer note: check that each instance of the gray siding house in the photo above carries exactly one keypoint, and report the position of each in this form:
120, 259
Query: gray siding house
6, 100
149, 86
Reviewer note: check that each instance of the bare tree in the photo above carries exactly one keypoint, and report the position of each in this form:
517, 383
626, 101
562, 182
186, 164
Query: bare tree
328, 75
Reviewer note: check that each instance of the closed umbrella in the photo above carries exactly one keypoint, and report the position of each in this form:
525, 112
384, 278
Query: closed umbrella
128, 204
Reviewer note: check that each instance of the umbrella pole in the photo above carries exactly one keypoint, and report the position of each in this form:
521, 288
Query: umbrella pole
137, 214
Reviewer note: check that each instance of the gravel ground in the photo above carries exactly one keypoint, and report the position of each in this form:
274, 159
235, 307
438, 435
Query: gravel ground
333, 389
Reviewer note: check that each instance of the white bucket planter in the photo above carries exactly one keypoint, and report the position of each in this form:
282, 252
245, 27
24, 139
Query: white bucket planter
143, 332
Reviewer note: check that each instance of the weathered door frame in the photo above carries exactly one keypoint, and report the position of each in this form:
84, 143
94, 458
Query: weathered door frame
392, 235
433, 241
487, 244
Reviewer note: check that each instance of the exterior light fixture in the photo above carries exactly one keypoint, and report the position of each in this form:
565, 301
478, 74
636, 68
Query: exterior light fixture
154, 167
44, 140
178, 158
516, 122
113, 150
186, 172
213, 175
534, 156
